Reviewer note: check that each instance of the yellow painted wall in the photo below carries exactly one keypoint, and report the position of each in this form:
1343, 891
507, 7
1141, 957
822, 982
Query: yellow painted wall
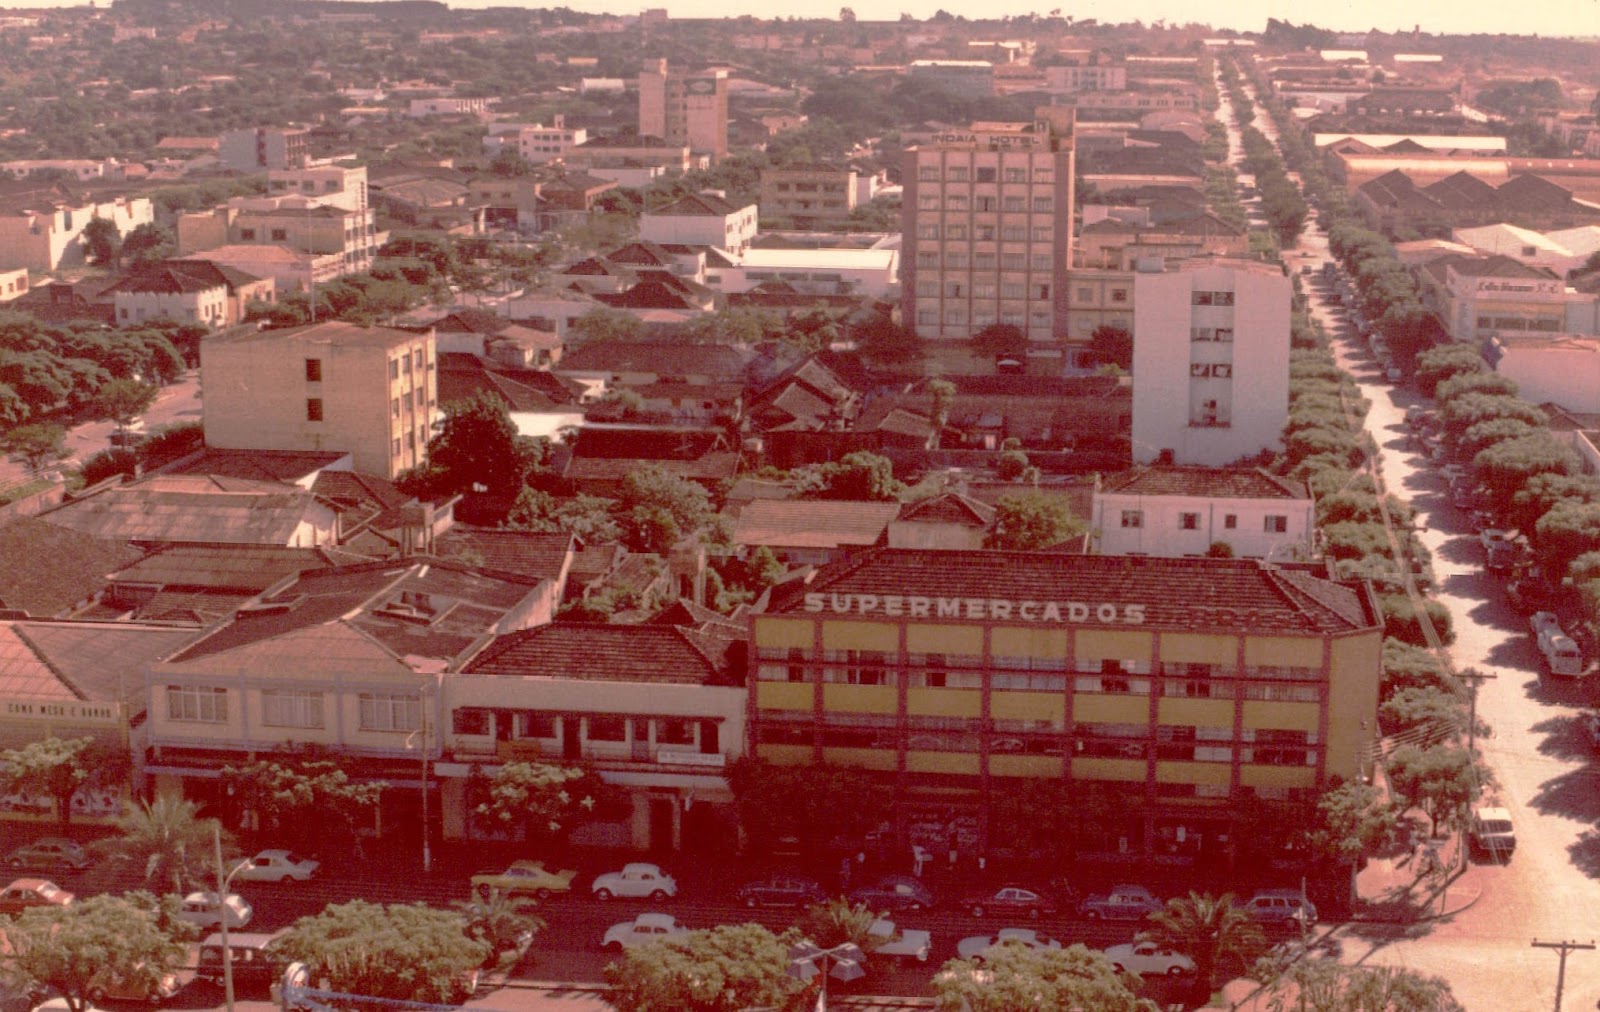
945, 702
1291, 716
864, 758
1029, 641
1277, 776
1124, 646
1196, 649
860, 698
1199, 712
1357, 668
784, 695
783, 634
1285, 650
1111, 709
1025, 766
861, 636
942, 762
1011, 705
785, 755
1193, 773
1109, 769
953, 639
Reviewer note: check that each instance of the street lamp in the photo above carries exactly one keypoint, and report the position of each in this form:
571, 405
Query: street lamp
422, 732
846, 960
224, 882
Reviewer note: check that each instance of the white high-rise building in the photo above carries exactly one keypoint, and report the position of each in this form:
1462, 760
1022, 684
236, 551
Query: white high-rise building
1210, 361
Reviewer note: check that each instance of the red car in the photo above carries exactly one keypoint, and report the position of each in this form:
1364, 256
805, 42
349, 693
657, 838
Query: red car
32, 892
1011, 899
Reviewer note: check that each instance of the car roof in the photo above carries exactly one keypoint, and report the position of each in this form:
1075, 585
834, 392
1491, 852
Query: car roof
29, 883
242, 939
640, 866
273, 852
1495, 813
656, 920
526, 863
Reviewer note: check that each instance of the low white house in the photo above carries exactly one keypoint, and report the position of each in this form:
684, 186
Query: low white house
701, 219
1562, 369
872, 273
1183, 511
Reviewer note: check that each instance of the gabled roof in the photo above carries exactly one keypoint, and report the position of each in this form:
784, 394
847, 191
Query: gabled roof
948, 508
811, 523
668, 358
289, 466
1204, 482
699, 205
648, 295
1189, 594
587, 651
93, 661
45, 569
536, 555
235, 567
381, 618
191, 508
461, 375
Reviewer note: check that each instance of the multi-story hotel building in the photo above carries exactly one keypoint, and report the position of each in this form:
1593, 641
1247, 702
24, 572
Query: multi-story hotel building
987, 221
1168, 697
683, 108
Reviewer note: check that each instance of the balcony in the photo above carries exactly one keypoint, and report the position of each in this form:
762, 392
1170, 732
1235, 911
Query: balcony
604, 754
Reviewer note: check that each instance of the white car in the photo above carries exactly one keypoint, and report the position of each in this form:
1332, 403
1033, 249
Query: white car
635, 881
977, 946
201, 909
642, 930
277, 866
905, 943
1148, 957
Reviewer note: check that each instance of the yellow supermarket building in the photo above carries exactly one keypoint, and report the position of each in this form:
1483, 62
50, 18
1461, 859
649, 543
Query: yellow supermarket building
1174, 699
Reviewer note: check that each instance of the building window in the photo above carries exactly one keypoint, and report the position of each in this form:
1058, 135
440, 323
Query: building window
1189, 521
1043, 205
986, 174
1119, 295
313, 370
1230, 521
247, 235
958, 173
197, 703
983, 261
928, 173
394, 368
1133, 518
387, 711
607, 729
1213, 298
286, 708
534, 724
471, 720
674, 731
1016, 175
313, 409
1275, 524
280, 235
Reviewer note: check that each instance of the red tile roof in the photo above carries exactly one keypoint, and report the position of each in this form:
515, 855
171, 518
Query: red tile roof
805, 523
1185, 594
599, 652
527, 553
1205, 482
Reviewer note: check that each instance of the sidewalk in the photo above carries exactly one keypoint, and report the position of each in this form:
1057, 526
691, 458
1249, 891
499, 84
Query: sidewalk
1432, 881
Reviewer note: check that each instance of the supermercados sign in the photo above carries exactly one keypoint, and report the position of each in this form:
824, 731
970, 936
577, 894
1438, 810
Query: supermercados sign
995, 609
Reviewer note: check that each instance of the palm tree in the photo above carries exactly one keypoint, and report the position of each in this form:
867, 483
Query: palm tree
1211, 930
503, 922
838, 921
168, 837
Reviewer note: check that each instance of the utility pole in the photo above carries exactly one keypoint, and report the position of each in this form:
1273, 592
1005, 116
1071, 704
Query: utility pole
1474, 678
1561, 974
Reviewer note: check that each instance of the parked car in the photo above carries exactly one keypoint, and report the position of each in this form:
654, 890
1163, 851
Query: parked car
202, 909
635, 881
978, 946
1011, 899
59, 1004
524, 878
1281, 908
901, 943
32, 892
277, 865
256, 964
137, 986
49, 852
1122, 903
1589, 725
1147, 958
1492, 833
894, 892
642, 930
781, 891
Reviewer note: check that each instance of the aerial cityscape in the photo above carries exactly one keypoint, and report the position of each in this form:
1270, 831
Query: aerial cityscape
564, 509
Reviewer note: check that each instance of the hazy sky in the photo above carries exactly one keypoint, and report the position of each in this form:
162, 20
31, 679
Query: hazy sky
1529, 17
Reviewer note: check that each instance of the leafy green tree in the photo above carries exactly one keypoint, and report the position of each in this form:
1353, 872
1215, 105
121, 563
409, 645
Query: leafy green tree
1507, 466
107, 463
588, 517
302, 802
1326, 985
1353, 822
38, 443
728, 968
168, 841
1485, 434
1415, 705
505, 924
1000, 339
883, 342
55, 766
1440, 780
1013, 976
147, 244
123, 400
101, 242
1030, 521
838, 921
477, 445
1402, 620
858, 475
546, 802
940, 393
1405, 665
1211, 930
75, 949
1491, 383
1111, 344
655, 509
1542, 492
607, 324
403, 952
1436, 365
813, 803
1012, 464
1569, 529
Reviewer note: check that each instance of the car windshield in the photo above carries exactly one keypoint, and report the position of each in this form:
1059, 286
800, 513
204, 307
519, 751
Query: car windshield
293, 858
1497, 826
47, 890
